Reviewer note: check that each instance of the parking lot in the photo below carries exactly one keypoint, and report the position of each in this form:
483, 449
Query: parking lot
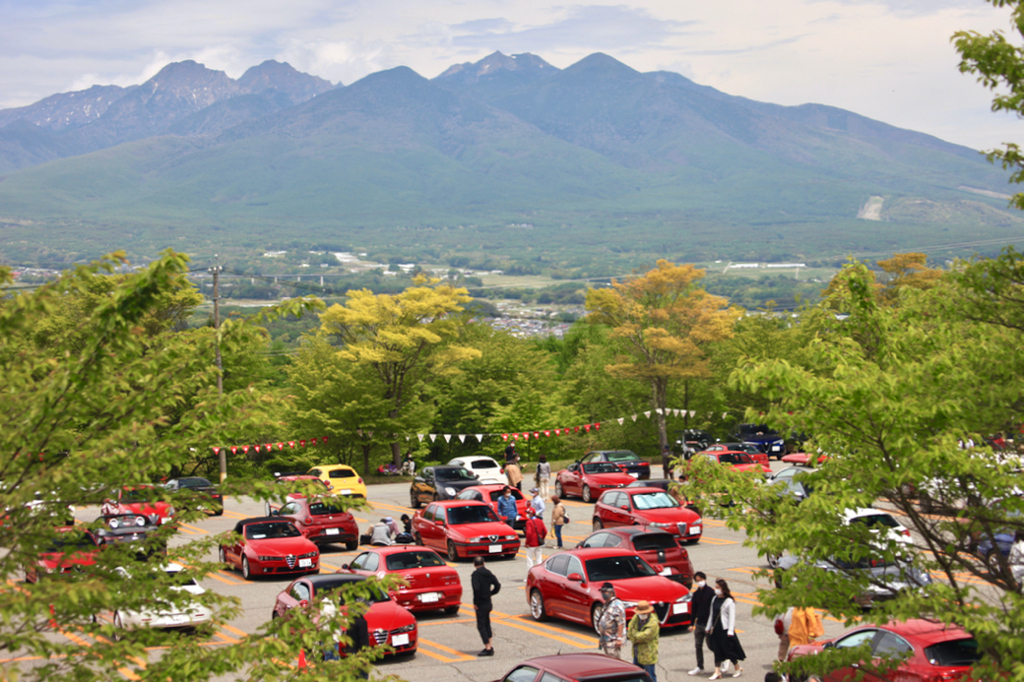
450, 643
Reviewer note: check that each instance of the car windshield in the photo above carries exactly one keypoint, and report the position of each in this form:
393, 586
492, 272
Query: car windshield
618, 568
325, 508
405, 560
343, 473
647, 542
658, 500
458, 516
454, 474
600, 468
194, 482
70, 542
870, 520
138, 494
638, 676
954, 652
621, 456
268, 531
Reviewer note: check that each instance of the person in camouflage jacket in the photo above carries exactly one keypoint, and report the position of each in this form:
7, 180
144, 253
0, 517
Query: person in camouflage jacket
611, 626
643, 632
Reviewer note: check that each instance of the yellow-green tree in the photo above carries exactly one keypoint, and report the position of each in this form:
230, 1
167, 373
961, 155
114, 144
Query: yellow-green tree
405, 338
665, 322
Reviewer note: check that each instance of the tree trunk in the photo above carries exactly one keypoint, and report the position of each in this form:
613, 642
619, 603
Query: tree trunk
686, 404
659, 389
366, 459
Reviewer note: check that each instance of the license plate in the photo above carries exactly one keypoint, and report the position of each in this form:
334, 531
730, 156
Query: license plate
332, 531
346, 491
429, 597
680, 608
305, 563
399, 640
634, 474
494, 549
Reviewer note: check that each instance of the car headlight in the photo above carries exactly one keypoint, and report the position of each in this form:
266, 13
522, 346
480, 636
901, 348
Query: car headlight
662, 525
478, 539
404, 628
450, 492
509, 537
268, 558
307, 555
684, 599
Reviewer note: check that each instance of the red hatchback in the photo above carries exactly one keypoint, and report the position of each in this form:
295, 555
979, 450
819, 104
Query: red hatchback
321, 519
270, 546
567, 667
650, 508
568, 586
934, 652
490, 495
386, 621
464, 529
589, 479
656, 547
430, 584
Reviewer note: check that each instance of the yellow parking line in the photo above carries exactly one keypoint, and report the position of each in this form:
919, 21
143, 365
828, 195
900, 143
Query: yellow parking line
508, 619
236, 515
233, 629
717, 541
444, 659
222, 576
229, 640
585, 638
198, 531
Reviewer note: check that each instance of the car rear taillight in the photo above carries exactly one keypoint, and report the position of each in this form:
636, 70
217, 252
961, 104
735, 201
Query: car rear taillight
308, 521
360, 481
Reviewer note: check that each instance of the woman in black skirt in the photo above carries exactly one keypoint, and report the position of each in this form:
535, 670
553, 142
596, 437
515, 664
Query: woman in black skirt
721, 631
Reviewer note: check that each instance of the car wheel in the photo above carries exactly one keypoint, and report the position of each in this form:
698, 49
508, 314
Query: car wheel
772, 559
453, 554
451, 610
558, 490
595, 614
586, 493
219, 511
222, 555
118, 626
414, 500
537, 605
598, 525
246, 573
351, 545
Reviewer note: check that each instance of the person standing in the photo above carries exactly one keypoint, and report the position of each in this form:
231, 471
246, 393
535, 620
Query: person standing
507, 507
537, 502
700, 602
534, 532
485, 586
781, 624
558, 518
510, 453
666, 461
513, 473
643, 632
611, 626
722, 631
543, 476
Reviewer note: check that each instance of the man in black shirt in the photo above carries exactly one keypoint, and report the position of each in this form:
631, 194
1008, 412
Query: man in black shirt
359, 634
485, 586
700, 601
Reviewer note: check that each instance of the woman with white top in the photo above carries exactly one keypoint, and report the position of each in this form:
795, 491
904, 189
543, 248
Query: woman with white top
721, 631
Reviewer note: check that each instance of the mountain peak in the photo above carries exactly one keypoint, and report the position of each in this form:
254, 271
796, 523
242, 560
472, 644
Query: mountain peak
282, 78
599, 61
526, 66
186, 70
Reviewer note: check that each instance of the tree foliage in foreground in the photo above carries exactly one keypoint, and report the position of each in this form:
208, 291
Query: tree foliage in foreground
117, 397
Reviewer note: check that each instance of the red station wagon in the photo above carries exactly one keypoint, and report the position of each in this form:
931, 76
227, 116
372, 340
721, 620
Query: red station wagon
651, 508
589, 479
934, 652
321, 519
464, 529
656, 547
430, 584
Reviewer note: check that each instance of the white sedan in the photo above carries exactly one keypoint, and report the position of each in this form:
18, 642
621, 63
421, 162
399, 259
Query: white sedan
878, 520
186, 616
486, 469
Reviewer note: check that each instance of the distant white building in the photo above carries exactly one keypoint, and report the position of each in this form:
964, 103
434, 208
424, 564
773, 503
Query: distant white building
744, 266
274, 254
786, 265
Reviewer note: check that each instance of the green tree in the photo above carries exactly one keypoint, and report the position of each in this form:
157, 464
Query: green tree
666, 323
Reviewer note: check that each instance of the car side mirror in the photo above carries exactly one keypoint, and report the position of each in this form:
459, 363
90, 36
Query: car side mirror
829, 645
576, 577
345, 567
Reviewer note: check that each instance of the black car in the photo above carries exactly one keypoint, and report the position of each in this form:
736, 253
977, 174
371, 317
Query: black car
627, 460
696, 439
440, 483
766, 439
201, 490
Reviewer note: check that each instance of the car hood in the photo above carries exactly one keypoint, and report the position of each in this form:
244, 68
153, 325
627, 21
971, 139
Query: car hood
281, 546
463, 532
668, 515
388, 615
653, 589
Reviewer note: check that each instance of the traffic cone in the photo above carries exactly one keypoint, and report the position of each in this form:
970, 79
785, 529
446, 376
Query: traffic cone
302, 659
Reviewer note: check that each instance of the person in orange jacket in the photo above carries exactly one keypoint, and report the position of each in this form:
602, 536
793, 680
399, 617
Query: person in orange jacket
805, 626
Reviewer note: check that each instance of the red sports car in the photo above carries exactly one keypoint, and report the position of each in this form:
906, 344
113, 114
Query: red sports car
933, 651
656, 547
386, 621
740, 449
738, 461
590, 479
490, 495
650, 508
576, 667
568, 586
464, 529
628, 461
321, 519
71, 550
139, 499
270, 546
430, 583
802, 458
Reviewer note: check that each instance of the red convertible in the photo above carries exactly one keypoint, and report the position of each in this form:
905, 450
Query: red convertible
651, 508
321, 519
490, 495
737, 461
430, 584
590, 479
270, 546
464, 529
143, 500
71, 550
386, 621
656, 547
802, 458
568, 586
740, 449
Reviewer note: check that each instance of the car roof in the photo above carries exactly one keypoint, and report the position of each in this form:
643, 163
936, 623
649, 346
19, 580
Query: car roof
471, 458
461, 503
581, 665
330, 467
398, 549
632, 530
597, 552
924, 632
642, 490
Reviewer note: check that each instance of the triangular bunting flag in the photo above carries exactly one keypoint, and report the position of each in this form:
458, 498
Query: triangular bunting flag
447, 438
647, 414
558, 432
547, 432
420, 436
515, 436
462, 438
433, 437
526, 436
369, 434
536, 434
216, 451
724, 415
234, 449
597, 425
504, 437
480, 438
634, 417
621, 420
586, 427
312, 441
324, 439
302, 443
245, 449
658, 410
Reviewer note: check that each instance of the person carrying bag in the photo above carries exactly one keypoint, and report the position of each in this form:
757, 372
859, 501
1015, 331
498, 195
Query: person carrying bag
722, 631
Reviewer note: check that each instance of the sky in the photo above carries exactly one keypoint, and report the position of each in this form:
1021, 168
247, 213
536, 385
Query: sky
890, 60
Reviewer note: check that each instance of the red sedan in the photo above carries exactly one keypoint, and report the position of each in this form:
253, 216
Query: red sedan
590, 479
321, 519
430, 584
802, 458
71, 550
656, 547
270, 546
568, 586
386, 621
463, 529
570, 667
651, 508
490, 495
738, 461
139, 499
933, 651
740, 449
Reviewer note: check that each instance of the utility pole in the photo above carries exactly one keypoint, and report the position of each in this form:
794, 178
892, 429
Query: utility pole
215, 271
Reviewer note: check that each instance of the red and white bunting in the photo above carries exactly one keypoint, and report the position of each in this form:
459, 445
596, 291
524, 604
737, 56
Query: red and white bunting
597, 426
302, 443
547, 432
234, 449
504, 437
216, 451
245, 449
586, 427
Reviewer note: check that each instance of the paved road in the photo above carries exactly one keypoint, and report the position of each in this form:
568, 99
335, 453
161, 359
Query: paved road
448, 644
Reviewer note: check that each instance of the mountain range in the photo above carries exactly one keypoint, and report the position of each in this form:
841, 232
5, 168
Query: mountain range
508, 156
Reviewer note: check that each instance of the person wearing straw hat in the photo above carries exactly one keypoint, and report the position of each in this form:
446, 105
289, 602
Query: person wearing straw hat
643, 631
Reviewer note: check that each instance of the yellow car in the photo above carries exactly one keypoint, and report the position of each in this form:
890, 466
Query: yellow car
341, 479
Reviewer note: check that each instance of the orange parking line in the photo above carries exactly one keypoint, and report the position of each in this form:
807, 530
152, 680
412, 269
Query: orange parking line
236, 515
198, 531
221, 576
585, 638
233, 629
461, 656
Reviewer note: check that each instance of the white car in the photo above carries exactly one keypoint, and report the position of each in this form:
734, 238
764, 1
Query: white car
486, 469
878, 520
190, 616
